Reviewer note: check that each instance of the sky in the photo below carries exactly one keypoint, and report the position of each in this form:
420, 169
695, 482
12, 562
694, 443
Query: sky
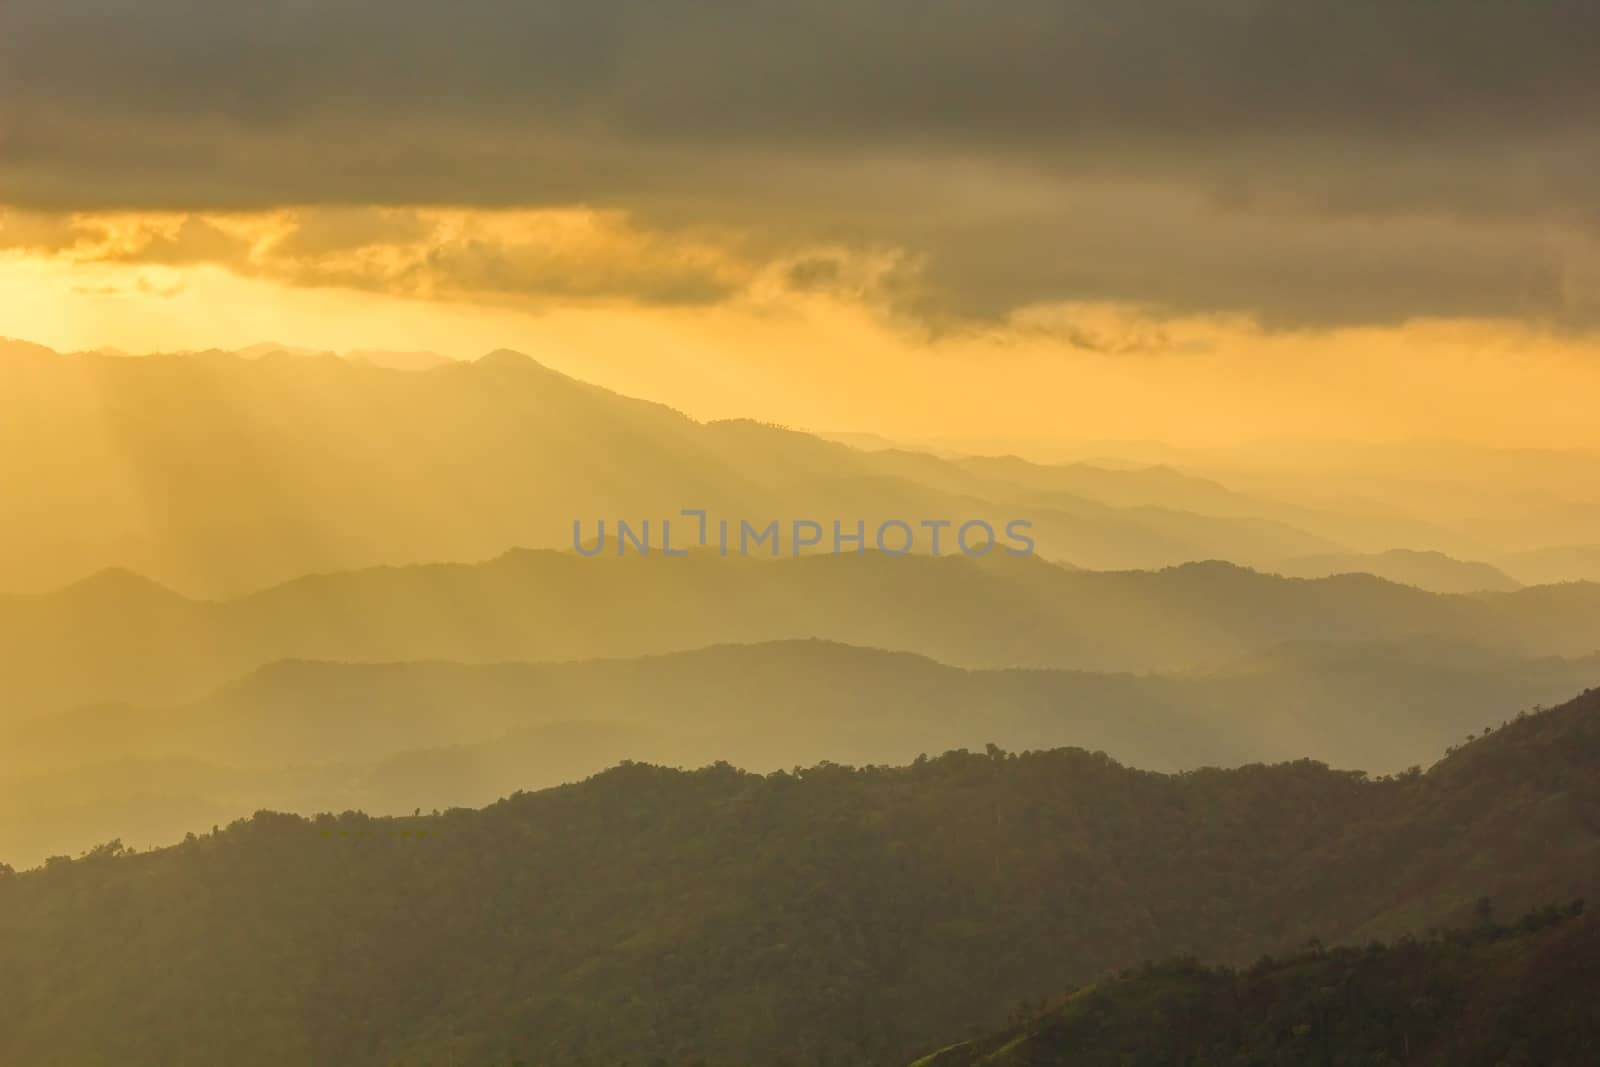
1200, 222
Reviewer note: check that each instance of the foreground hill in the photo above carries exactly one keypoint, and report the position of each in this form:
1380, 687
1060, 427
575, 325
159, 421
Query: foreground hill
1485, 996
386, 738
831, 915
147, 644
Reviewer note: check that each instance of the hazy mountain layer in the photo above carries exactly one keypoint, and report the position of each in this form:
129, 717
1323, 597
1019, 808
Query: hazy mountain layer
860, 916
1433, 571
118, 638
1568, 563
220, 473
1481, 502
309, 737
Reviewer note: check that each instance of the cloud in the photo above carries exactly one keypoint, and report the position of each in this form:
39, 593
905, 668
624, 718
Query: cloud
191, 241
1308, 162
526, 257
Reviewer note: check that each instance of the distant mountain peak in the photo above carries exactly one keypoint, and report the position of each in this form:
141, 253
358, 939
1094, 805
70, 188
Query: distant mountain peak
1420, 568
263, 349
400, 361
12, 348
509, 359
1208, 567
120, 583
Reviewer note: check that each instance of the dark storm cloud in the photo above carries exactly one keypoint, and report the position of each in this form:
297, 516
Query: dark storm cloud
1312, 162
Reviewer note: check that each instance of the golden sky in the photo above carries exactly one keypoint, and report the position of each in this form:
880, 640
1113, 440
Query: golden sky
1019, 222
824, 363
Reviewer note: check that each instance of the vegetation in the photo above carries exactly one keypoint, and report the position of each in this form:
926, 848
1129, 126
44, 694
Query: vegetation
386, 738
828, 915
1498, 996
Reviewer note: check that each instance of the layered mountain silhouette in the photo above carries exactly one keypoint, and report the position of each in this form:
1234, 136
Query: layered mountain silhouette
147, 644
384, 738
853, 915
1433, 571
278, 580
220, 473
1555, 564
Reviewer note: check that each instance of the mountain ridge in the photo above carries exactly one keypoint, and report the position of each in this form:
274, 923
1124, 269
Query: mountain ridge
650, 912
216, 473
548, 605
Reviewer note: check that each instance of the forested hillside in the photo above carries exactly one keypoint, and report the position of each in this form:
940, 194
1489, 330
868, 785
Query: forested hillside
386, 738
828, 915
1489, 995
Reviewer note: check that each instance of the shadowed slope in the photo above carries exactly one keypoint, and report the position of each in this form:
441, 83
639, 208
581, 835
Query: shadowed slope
649, 912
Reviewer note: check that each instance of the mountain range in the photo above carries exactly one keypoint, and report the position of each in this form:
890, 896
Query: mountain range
829, 914
148, 644
385, 738
222, 473
1433, 571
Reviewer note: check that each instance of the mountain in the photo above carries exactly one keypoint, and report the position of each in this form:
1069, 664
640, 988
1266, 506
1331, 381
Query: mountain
999, 611
266, 349
1481, 996
861, 916
219, 473
1433, 571
1557, 564
385, 738
1482, 502
19, 353
401, 361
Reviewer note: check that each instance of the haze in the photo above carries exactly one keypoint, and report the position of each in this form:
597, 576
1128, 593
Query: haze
340, 728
